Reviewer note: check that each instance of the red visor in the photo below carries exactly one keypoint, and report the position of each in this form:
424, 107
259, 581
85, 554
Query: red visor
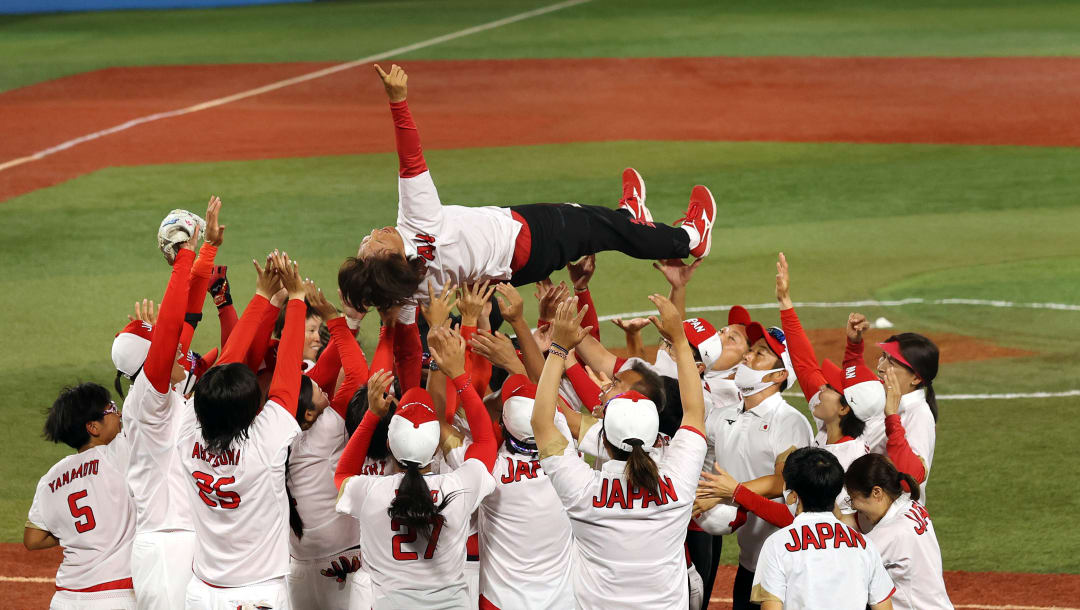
892, 348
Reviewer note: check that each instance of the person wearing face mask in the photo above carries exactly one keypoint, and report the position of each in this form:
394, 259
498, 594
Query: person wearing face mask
752, 435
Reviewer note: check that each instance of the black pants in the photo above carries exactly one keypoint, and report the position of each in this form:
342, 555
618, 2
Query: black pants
740, 592
704, 551
563, 232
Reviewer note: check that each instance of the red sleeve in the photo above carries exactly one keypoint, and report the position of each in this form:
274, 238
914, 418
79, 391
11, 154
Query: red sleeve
900, 451
227, 321
803, 359
241, 337
853, 353
285, 387
326, 369
477, 366
410, 154
261, 342
586, 389
352, 459
352, 358
590, 319
408, 355
483, 447
452, 401
774, 512
384, 351
200, 279
162, 354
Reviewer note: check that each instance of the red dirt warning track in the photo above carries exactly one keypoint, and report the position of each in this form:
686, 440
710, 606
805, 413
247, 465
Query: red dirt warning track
1018, 101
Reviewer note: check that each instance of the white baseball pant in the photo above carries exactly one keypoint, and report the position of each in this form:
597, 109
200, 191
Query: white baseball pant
120, 599
161, 568
268, 594
310, 590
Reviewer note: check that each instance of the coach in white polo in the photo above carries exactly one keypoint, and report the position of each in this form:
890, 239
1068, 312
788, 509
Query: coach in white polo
749, 437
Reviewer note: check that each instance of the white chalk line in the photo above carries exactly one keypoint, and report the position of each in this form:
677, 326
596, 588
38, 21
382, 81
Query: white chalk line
290, 81
727, 600
26, 579
898, 303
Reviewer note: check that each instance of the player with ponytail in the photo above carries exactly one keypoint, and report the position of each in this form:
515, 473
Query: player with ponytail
630, 517
900, 529
414, 523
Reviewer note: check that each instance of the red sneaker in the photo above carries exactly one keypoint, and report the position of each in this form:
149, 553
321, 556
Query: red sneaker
633, 195
700, 214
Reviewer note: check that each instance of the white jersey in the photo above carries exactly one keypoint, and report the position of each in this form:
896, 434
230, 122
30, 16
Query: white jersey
818, 562
461, 244
238, 502
525, 537
919, 428
157, 480
846, 452
83, 501
312, 460
628, 543
408, 570
909, 549
747, 444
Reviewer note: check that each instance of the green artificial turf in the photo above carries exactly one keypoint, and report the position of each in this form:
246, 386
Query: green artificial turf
856, 222
34, 48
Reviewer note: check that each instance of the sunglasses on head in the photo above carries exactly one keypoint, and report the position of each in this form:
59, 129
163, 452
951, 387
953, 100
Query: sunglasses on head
111, 409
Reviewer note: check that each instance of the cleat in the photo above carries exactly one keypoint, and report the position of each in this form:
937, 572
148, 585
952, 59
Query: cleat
633, 199
700, 214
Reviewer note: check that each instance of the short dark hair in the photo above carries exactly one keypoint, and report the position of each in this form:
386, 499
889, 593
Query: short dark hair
671, 415
72, 410
358, 406
380, 281
304, 402
279, 324
817, 476
650, 385
227, 399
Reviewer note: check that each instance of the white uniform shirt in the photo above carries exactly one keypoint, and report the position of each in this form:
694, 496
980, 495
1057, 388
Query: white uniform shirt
818, 562
407, 570
155, 475
628, 545
525, 537
238, 501
460, 244
919, 428
312, 460
909, 549
747, 443
845, 452
84, 502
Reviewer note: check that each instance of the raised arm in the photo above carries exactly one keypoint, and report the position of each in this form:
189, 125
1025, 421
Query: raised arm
566, 334
410, 154
803, 359
236, 349
285, 387
580, 274
341, 336
170, 320
512, 307
448, 350
690, 390
201, 271
408, 353
352, 459
678, 275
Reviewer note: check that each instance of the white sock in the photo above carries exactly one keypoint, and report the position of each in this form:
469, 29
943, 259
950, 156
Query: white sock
695, 237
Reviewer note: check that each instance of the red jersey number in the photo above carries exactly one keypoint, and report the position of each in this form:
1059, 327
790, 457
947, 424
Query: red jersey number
81, 512
409, 536
207, 485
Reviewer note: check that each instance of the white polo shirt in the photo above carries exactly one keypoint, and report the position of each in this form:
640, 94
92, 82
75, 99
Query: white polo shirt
460, 244
846, 452
818, 562
909, 549
919, 428
747, 444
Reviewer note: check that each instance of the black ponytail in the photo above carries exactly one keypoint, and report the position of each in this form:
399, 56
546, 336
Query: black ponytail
641, 471
875, 470
296, 524
923, 356
413, 506
852, 426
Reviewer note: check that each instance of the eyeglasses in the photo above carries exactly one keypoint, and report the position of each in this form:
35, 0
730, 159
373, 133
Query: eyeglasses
110, 409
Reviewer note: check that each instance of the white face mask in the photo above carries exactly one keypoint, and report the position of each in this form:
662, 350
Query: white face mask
749, 380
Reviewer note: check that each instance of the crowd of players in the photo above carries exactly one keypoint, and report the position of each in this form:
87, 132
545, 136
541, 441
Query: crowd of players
465, 467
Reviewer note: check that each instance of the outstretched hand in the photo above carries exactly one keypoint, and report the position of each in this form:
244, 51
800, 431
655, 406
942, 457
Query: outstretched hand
319, 303
395, 82
567, 331
581, 272
510, 302
856, 326
378, 384
267, 283
783, 283
439, 305
215, 233
144, 311
447, 348
631, 326
670, 323
289, 272
677, 272
471, 302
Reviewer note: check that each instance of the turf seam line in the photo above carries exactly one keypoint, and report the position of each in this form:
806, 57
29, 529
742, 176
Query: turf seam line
291, 81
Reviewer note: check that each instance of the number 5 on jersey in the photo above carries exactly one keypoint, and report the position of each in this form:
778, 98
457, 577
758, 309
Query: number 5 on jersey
207, 485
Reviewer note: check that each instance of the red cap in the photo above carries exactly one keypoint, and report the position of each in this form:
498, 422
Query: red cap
417, 407
833, 375
738, 315
858, 373
892, 348
755, 331
698, 330
518, 385
138, 328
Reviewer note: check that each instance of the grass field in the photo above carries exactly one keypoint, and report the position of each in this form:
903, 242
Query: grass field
856, 221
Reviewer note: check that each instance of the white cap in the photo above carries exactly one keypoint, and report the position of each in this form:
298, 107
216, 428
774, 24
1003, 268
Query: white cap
631, 416
177, 228
863, 391
517, 418
130, 347
414, 429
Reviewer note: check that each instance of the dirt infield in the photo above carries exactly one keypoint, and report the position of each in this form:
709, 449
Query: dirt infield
991, 590
1021, 101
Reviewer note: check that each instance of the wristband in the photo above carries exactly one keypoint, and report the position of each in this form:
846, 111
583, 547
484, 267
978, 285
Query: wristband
433, 366
558, 350
193, 319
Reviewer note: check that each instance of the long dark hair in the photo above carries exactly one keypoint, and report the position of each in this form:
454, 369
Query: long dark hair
875, 470
923, 356
296, 524
413, 505
641, 471
72, 410
850, 425
304, 403
380, 281
358, 405
227, 399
